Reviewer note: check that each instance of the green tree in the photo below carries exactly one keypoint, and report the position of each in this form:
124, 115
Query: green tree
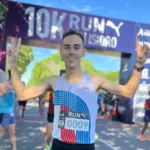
3, 10
46, 68
88, 67
24, 58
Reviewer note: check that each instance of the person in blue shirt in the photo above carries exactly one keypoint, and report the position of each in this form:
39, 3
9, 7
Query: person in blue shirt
100, 105
7, 119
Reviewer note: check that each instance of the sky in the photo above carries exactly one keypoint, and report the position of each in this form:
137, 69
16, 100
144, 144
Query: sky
131, 10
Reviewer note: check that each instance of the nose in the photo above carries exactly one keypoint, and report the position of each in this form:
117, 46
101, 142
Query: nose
71, 50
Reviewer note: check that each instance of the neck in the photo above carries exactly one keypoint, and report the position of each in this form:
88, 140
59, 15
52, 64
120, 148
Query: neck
74, 75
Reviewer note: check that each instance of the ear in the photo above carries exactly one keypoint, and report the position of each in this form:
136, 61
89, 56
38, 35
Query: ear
84, 52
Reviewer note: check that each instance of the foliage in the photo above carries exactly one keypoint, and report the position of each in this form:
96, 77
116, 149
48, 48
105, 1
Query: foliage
3, 10
24, 58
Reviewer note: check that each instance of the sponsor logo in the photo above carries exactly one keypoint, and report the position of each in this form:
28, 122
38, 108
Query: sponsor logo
145, 74
121, 109
85, 88
143, 32
110, 24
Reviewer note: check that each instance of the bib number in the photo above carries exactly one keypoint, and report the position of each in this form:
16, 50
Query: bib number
73, 121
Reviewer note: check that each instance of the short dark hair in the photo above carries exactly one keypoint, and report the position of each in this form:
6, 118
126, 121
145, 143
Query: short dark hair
72, 32
61, 72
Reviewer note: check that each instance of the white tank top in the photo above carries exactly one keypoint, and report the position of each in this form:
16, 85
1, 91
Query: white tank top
75, 111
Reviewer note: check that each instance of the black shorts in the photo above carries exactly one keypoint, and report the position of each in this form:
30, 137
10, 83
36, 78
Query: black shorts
50, 118
147, 118
58, 145
22, 103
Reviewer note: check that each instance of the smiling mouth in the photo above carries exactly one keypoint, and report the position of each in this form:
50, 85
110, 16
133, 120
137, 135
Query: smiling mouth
71, 58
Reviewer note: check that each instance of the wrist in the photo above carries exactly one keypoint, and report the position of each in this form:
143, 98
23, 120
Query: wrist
138, 67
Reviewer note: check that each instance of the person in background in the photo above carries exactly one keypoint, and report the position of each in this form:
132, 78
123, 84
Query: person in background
146, 118
22, 107
100, 102
7, 118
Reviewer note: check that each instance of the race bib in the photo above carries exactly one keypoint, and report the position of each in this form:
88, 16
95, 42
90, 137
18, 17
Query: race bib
73, 121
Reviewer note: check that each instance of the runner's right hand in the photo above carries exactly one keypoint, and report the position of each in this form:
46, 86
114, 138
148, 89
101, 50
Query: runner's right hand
13, 50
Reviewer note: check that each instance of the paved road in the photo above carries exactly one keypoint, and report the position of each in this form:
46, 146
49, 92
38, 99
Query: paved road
112, 135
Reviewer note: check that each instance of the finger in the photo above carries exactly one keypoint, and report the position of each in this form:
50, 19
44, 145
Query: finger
9, 39
11, 50
18, 44
9, 53
146, 47
137, 41
14, 40
146, 52
143, 48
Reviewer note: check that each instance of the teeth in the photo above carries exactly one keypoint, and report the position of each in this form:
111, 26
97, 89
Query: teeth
71, 58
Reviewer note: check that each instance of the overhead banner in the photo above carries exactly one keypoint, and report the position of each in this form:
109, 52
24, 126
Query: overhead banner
49, 24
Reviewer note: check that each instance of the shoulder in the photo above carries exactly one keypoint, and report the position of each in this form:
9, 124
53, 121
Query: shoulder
54, 77
97, 80
51, 81
9, 94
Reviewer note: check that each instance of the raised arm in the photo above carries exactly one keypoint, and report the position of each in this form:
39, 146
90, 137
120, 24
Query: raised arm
130, 88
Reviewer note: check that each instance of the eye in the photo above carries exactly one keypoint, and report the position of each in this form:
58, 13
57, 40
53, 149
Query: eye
66, 47
77, 47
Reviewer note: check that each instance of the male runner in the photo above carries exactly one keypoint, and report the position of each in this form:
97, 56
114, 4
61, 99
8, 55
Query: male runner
7, 119
75, 92
22, 107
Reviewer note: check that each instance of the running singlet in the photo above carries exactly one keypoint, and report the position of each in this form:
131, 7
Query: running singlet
147, 104
51, 105
75, 111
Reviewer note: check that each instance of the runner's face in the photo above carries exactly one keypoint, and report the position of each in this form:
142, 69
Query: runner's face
72, 51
